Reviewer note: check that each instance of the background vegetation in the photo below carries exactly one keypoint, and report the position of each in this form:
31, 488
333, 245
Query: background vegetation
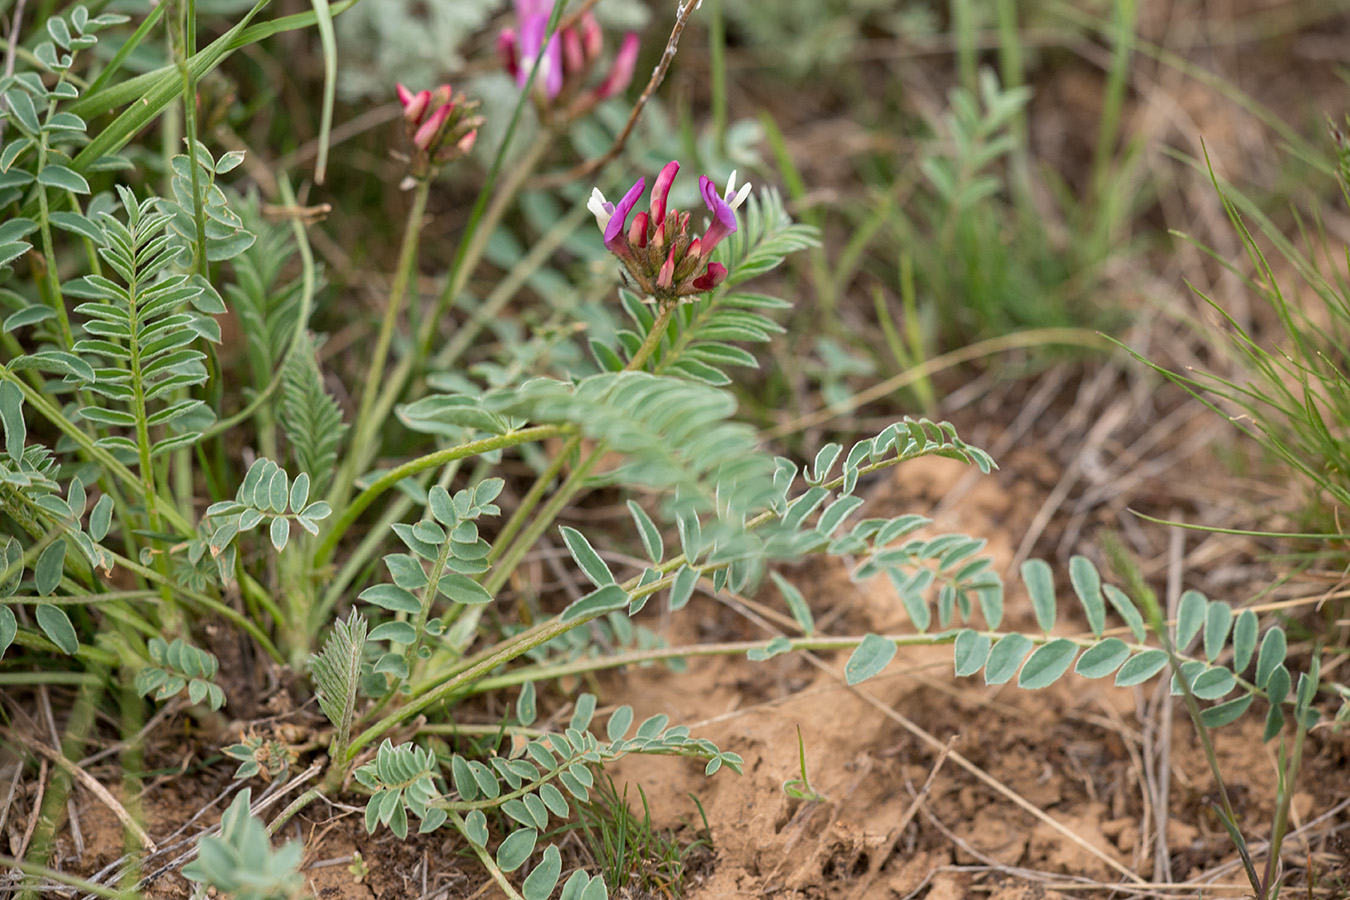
338, 440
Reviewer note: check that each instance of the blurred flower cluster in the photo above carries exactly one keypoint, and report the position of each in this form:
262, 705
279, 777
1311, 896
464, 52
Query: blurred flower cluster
439, 125
566, 61
658, 250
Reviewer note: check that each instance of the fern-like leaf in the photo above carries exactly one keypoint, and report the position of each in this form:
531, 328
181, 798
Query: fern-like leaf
144, 332
337, 673
765, 236
312, 421
676, 435
266, 305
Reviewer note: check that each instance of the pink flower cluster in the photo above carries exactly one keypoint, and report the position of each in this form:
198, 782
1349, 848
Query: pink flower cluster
658, 250
566, 61
438, 124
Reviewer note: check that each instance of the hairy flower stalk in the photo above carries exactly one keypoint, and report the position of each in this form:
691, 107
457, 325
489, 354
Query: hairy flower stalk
665, 259
566, 62
439, 125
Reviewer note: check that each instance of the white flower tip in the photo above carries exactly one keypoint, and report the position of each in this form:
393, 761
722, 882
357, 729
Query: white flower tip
600, 208
736, 201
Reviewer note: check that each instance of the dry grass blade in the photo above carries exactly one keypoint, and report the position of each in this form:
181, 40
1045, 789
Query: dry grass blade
89, 782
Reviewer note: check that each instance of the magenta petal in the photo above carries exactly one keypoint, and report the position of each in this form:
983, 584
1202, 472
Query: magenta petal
710, 279
661, 189
724, 217
532, 30
553, 67
526, 9
531, 37
617, 221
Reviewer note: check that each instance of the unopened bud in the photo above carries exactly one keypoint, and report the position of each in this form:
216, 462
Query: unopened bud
592, 38
621, 73
574, 57
426, 134
508, 52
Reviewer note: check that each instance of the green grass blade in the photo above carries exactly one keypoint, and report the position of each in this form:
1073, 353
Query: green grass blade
328, 40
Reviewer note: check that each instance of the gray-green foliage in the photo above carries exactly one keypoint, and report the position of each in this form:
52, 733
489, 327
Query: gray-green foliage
32, 497
675, 436
267, 494
179, 666
141, 334
449, 541
534, 786
221, 228
1232, 656
241, 863
384, 41
337, 676
267, 294
46, 132
310, 417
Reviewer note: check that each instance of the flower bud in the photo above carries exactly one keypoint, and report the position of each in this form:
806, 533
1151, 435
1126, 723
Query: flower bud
657, 249
592, 38
621, 73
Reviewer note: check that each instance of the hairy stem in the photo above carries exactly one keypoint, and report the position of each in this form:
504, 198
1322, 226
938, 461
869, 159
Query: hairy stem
538, 524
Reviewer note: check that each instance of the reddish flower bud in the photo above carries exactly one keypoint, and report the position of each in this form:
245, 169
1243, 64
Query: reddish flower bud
592, 38
414, 105
621, 73
637, 235
666, 277
425, 135
661, 190
716, 274
574, 57
508, 52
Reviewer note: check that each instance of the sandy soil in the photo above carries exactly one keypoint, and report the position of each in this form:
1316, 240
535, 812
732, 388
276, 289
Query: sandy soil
933, 786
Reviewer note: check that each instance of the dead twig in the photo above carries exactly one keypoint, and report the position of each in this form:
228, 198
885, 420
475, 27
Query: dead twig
89, 782
37, 807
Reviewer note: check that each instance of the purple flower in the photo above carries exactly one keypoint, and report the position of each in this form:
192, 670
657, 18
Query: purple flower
724, 217
619, 216
533, 16
566, 61
658, 250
